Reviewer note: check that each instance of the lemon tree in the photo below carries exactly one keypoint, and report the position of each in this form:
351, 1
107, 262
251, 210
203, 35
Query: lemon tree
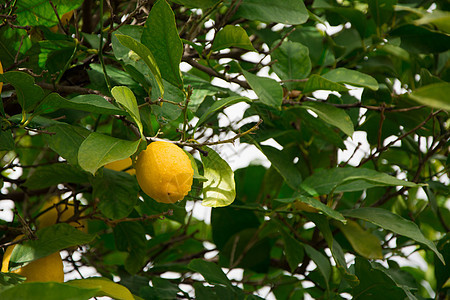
212, 149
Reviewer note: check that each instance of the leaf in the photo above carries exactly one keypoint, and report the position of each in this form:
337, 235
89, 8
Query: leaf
293, 250
290, 12
418, 39
217, 105
292, 62
332, 115
268, 90
126, 98
434, 95
91, 103
98, 150
105, 287
321, 261
232, 36
117, 192
66, 140
352, 77
283, 165
381, 10
160, 35
394, 223
210, 271
374, 283
163, 289
316, 82
50, 240
350, 179
47, 291
28, 93
220, 189
6, 140
146, 56
46, 176
197, 3
439, 18
317, 205
365, 243
40, 13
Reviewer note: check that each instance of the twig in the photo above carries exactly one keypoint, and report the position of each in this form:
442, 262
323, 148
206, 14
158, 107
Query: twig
57, 16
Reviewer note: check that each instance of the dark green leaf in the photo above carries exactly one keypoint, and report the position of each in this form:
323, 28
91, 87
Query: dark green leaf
316, 82
197, 3
6, 140
352, 77
50, 240
162, 289
418, 39
117, 192
232, 36
98, 150
321, 261
287, 12
66, 140
381, 10
40, 13
28, 94
393, 222
160, 35
293, 249
268, 90
46, 176
210, 271
220, 189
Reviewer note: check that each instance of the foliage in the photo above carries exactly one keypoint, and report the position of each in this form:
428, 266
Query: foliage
314, 77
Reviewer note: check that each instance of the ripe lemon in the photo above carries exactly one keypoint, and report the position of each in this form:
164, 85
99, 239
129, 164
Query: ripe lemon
164, 172
120, 165
65, 212
49, 268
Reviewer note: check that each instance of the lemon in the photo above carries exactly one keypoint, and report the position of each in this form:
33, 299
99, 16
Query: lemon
164, 172
65, 212
48, 268
120, 165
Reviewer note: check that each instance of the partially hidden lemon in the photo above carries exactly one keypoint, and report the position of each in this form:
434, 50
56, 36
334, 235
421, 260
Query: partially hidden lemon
164, 172
65, 212
48, 268
120, 165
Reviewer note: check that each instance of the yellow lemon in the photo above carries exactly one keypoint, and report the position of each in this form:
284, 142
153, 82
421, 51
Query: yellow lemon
120, 165
164, 172
65, 212
49, 268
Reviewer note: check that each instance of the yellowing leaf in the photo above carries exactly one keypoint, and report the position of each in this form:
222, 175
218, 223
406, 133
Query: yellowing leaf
106, 287
365, 243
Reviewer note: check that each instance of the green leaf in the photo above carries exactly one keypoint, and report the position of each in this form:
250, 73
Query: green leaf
434, 95
232, 36
321, 261
381, 10
220, 189
160, 35
332, 115
6, 140
394, 223
365, 243
47, 291
126, 98
50, 240
105, 287
66, 140
316, 82
352, 77
40, 13
46, 176
98, 150
91, 103
290, 12
197, 3
28, 93
117, 192
292, 62
293, 249
210, 271
413, 37
268, 90
146, 55
350, 179
163, 289
374, 283
439, 18
217, 105
130, 238
283, 165
317, 205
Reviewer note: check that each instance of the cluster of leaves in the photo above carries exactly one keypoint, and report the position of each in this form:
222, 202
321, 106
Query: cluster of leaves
85, 90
